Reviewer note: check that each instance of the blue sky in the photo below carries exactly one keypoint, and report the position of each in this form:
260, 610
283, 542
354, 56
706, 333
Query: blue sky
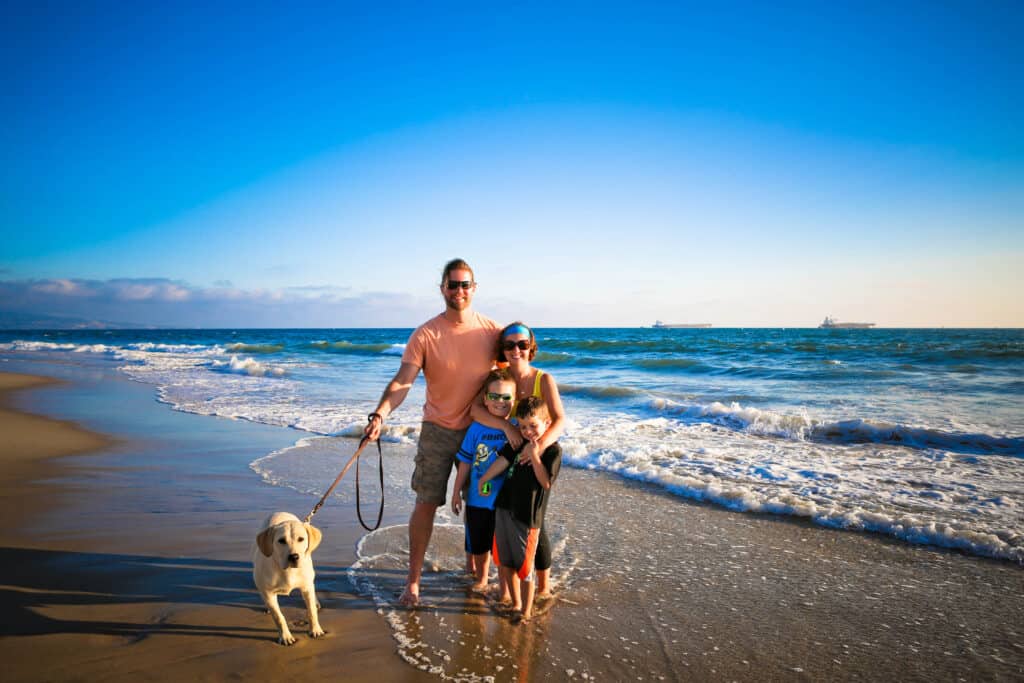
598, 163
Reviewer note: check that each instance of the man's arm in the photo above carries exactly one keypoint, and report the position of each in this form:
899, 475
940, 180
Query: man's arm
394, 394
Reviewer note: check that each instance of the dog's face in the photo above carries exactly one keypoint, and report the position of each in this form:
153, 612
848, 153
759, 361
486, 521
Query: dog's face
288, 542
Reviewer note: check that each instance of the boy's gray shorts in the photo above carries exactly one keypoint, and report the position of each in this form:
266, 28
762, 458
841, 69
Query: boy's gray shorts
435, 456
515, 543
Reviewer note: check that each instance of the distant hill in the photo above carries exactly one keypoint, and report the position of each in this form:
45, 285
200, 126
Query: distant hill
14, 320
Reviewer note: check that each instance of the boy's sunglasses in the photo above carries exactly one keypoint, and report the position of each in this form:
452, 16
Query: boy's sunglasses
455, 284
523, 344
498, 397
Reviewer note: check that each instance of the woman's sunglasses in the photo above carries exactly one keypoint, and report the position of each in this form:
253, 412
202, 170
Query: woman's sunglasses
523, 344
498, 397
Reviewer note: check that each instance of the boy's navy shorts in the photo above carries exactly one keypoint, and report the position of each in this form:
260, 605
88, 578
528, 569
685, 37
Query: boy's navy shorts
479, 530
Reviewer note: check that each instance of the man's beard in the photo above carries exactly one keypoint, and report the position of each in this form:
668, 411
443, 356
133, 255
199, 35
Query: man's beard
456, 304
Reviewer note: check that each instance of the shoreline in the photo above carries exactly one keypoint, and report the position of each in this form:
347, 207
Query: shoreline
30, 439
31, 452
137, 569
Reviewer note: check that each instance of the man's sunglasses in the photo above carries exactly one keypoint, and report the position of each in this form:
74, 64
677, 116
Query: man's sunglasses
523, 344
498, 397
455, 284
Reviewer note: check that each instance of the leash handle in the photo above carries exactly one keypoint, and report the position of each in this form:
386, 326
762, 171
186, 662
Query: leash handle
380, 511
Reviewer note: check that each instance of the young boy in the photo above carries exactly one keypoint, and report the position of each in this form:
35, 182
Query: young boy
478, 451
521, 504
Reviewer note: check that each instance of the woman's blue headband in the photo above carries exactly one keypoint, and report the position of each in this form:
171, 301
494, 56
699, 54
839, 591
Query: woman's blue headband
518, 329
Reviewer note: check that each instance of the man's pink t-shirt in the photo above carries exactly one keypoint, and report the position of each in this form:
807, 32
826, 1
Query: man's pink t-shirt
455, 360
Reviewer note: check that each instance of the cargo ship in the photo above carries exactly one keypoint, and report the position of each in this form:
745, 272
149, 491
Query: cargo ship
831, 323
676, 326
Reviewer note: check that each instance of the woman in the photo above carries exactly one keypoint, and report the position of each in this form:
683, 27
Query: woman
517, 346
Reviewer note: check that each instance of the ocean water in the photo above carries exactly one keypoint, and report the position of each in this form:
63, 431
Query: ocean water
913, 434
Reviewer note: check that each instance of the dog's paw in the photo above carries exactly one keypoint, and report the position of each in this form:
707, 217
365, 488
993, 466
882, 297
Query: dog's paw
286, 639
317, 632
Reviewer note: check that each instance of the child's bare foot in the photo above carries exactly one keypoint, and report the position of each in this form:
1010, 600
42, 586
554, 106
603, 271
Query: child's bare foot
495, 595
480, 588
517, 617
509, 607
546, 595
502, 607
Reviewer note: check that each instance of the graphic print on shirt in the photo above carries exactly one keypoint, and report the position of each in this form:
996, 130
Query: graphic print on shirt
483, 457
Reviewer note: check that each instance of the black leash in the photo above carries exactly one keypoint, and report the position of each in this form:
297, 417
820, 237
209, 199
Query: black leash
380, 470
355, 457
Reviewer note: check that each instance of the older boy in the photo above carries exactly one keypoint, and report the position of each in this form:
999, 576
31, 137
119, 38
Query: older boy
522, 503
478, 452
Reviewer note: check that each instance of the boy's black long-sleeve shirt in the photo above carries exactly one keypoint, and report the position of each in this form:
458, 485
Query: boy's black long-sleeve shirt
521, 493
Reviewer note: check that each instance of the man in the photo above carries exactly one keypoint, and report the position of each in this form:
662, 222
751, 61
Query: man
455, 351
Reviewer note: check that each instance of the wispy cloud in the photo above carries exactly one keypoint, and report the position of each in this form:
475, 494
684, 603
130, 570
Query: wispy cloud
173, 303
320, 289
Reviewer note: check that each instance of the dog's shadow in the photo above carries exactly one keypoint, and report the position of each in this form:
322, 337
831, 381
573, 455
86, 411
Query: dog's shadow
51, 592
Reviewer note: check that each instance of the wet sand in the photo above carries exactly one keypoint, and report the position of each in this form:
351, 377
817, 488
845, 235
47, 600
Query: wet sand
653, 588
30, 440
129, 561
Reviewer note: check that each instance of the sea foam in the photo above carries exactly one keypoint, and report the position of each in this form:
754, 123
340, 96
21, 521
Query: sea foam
247, 366
787, 486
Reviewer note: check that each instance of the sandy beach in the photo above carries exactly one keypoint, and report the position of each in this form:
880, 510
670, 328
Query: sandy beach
104, 581
127, 559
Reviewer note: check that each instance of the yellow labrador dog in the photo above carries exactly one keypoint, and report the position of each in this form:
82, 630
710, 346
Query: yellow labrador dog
281, 562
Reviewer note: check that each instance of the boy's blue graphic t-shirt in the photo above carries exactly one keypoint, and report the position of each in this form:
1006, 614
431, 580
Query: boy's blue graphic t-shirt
480, 448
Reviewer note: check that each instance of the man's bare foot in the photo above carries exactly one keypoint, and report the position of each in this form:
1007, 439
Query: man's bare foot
410, 597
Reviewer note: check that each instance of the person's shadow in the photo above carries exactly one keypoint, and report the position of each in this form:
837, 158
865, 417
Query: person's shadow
40, 589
